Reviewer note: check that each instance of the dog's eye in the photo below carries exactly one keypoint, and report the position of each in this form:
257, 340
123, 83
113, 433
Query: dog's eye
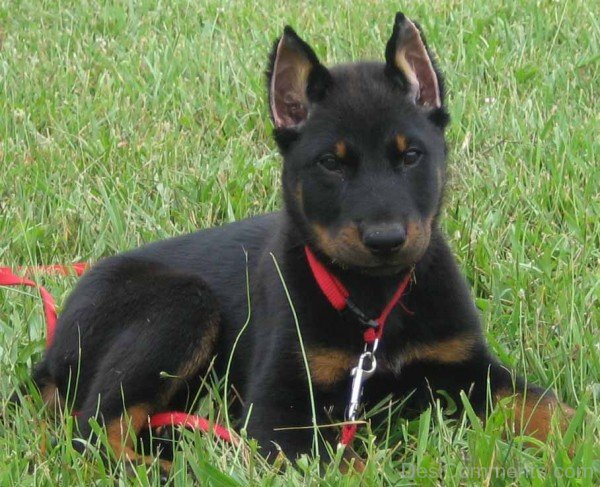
330, 163
411, 157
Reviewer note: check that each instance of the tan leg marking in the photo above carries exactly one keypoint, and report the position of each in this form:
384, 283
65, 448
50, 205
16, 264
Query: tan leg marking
201, 355
52, 399
533, 414
351, 462
120, 439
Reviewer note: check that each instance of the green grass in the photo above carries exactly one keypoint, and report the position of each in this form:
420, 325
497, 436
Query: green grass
127, 122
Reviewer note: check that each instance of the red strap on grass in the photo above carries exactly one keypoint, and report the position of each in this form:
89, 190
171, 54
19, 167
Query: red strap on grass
169, 418
9, 278
174, 418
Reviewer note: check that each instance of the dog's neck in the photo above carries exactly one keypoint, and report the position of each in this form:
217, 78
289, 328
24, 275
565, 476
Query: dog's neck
368, 290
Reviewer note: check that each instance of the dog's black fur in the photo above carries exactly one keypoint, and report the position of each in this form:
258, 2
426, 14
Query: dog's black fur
363, 179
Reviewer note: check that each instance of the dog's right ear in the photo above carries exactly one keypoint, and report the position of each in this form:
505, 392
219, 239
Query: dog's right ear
296, 79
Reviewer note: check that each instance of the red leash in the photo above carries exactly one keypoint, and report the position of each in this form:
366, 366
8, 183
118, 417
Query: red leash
339, 297
169, 418
8, 278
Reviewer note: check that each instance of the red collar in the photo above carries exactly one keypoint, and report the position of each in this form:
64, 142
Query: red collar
339, 297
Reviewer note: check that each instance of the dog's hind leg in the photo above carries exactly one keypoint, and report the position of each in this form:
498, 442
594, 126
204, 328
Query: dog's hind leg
47, 389
49, 392
167, 342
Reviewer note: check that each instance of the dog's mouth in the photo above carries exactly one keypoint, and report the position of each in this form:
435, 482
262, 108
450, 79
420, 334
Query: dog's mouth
384, 269
375, 265
345, 249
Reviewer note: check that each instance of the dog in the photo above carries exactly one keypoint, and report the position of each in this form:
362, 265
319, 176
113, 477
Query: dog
364, 171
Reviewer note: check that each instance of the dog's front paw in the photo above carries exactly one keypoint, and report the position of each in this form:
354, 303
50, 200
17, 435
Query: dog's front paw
351, 462
533, 413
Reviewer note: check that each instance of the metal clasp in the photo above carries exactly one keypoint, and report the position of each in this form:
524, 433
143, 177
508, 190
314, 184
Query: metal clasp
367, 363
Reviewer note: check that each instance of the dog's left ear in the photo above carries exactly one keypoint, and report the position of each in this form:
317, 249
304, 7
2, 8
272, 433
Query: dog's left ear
296, 79
408, 61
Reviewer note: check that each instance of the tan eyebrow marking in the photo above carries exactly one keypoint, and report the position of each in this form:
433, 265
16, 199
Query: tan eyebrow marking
340, 149
401, 142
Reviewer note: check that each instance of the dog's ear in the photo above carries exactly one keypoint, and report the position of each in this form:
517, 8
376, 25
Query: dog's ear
296, 79
409, 63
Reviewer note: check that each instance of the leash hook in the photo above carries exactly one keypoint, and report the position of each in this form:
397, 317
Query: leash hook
365, 368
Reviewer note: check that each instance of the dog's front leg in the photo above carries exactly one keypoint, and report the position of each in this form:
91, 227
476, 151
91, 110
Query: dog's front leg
280, 418
487, 383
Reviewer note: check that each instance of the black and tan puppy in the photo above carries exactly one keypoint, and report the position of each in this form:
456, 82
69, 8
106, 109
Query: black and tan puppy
363, 178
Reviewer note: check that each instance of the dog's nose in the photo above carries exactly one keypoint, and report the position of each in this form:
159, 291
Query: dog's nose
384, 239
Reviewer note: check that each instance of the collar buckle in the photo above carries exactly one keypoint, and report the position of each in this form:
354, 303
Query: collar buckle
355, 312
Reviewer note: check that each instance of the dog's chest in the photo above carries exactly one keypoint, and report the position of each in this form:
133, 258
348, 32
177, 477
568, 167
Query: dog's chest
331, 364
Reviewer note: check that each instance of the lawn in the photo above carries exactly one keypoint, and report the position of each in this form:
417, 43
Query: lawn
128, 122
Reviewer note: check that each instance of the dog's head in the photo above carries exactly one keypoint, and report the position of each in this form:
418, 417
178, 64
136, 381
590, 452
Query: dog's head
363, 147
